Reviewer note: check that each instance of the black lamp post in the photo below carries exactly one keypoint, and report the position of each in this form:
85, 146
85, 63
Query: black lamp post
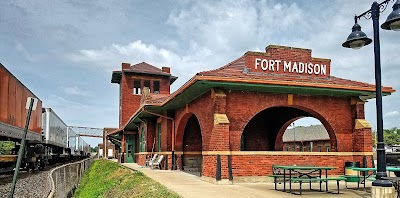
358, 39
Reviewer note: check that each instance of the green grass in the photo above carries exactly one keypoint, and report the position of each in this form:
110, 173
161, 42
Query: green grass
108, 179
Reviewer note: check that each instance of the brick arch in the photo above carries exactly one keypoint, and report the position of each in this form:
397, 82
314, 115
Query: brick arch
278, 140
180, 131
308, 113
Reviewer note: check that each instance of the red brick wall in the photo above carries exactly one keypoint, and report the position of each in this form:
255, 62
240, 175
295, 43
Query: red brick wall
243, 106
166, 135
150, 135
130, 102
261, 165
141, 159
202, 108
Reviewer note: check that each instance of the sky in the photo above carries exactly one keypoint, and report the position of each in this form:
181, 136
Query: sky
65, 51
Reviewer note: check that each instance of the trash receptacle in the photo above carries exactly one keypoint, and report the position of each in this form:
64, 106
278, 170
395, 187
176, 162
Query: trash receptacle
351, 175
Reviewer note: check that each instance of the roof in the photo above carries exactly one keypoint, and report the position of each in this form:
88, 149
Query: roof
310, 133
238, 70
141, 68
237, 76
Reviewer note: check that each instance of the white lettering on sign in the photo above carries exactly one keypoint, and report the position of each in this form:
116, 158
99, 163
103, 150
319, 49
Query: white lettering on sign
290, 67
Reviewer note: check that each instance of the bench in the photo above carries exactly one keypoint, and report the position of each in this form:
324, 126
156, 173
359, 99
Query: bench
317, 179
280, 176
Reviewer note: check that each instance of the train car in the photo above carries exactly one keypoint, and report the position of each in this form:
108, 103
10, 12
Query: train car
79, 145
55, 133
13, 97
48, 137
72, 142
86, 149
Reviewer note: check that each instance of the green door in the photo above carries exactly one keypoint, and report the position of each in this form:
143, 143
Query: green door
130, 148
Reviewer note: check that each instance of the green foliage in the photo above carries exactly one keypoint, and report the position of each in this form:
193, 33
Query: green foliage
94, 150
109, 179
6, 147
391, 136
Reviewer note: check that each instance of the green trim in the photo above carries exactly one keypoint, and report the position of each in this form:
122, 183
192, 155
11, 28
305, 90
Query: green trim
159, 137
201, 87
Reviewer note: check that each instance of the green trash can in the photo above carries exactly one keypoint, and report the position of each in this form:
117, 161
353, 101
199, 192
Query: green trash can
350, 174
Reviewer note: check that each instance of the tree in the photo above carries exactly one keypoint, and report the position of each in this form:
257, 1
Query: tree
94, 149
6, 147
391, 136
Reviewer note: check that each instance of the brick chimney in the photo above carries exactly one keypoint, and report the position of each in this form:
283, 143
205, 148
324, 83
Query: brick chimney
166, 69
126, 65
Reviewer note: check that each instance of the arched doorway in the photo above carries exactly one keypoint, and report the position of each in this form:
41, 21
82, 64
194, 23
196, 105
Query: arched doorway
192, 147
306, 134
265, 130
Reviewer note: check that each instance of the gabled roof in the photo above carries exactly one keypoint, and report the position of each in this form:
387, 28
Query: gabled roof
238, 70
141, 68
310, 133
144, 67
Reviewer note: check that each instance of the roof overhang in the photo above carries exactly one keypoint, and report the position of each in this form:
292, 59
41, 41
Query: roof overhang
116, 77
172, 78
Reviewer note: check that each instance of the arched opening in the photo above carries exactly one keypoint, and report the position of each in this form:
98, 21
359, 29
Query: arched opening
265, 130
306, 134
192, 147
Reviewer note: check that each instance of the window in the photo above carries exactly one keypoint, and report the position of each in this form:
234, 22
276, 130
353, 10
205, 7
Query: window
328, 149
136, 86
146, 83
156, 87
287, 148
319, 149
309, 149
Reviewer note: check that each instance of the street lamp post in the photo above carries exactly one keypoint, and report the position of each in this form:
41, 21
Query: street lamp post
358, 39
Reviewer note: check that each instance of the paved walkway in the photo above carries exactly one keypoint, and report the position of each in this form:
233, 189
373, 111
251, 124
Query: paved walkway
190, 186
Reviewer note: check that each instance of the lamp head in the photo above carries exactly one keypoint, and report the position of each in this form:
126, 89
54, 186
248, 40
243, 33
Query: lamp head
393, 20
357, 39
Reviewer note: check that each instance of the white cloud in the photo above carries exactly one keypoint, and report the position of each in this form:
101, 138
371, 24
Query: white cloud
392, 114
208, 34
74, 90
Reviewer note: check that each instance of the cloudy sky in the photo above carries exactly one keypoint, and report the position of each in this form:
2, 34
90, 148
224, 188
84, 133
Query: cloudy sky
65, 51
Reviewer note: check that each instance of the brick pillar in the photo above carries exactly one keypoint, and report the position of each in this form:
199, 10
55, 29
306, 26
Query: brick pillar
362, 141
219, 140
362, 134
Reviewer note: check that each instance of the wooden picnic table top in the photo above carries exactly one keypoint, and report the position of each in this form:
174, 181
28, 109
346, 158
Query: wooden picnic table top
286, 167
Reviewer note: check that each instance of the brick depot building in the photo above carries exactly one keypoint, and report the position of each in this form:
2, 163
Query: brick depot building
228, 123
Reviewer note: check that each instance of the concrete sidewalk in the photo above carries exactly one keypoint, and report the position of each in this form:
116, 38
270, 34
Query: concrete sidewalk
191, 186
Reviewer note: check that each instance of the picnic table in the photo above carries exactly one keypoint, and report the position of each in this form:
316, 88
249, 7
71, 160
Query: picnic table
300, 174
396, 183
370, 172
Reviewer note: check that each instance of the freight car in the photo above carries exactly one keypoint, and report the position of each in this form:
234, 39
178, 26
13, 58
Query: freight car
13, 95
49, 139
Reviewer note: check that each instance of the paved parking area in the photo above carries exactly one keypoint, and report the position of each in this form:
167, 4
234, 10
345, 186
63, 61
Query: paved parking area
191, 186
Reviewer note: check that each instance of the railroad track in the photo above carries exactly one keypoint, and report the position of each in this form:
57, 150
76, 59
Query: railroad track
29, 184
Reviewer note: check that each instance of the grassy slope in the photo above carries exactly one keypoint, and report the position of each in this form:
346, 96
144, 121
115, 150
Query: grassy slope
108, 179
